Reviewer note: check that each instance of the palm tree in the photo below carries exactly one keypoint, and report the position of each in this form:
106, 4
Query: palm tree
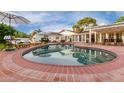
120, 19
38, 31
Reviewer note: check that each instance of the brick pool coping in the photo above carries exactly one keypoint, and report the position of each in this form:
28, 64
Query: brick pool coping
25, 70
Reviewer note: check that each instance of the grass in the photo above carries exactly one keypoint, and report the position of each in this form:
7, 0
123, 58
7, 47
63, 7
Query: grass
2, 45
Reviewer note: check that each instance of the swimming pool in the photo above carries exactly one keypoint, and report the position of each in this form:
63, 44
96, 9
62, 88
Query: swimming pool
68, 55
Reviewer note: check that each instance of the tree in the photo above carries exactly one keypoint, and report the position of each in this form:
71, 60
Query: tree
21, 34
6, 30
75, 26
81, 29
9, 30
87, 21
120, 19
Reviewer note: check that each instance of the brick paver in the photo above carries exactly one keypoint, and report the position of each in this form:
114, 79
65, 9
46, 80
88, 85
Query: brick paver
13, 67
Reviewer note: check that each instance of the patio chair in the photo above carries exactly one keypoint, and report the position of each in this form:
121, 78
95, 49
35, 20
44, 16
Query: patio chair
10, 47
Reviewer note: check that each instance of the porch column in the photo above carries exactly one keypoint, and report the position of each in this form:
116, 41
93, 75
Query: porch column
123, 37
114, 37
78, 38
85, 38
90, 36
106, 35
100, 37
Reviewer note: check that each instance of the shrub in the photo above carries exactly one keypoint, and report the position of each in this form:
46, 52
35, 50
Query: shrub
45, 40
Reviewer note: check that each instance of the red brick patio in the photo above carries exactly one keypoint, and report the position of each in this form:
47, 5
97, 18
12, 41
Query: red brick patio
14, 68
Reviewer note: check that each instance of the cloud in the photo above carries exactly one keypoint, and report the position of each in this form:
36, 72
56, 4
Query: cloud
56, 21
55, 27
47, 21
120, 13
40, 17
79, 15
32, 16
101, 21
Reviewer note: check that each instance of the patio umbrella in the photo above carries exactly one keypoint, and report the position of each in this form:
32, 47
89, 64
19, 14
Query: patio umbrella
7, 17
11, 18
8, 37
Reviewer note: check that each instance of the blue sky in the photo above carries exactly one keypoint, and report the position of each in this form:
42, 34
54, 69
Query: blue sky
58, 20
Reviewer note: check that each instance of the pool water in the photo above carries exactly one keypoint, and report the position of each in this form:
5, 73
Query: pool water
69, 55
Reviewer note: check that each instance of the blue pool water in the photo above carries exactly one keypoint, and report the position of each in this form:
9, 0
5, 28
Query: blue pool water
69, 55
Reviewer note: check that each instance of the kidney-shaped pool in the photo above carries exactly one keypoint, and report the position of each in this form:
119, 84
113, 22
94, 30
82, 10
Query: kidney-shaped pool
68, 55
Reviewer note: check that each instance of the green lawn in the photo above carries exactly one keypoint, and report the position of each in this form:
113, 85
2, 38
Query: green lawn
2, 45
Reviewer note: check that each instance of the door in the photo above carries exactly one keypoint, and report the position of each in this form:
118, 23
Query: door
92, 38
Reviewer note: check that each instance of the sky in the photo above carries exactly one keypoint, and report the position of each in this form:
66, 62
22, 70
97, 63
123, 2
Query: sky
55, 21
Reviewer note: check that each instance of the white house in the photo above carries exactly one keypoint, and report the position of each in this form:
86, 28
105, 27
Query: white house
53, 36
67, 35
37, 35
